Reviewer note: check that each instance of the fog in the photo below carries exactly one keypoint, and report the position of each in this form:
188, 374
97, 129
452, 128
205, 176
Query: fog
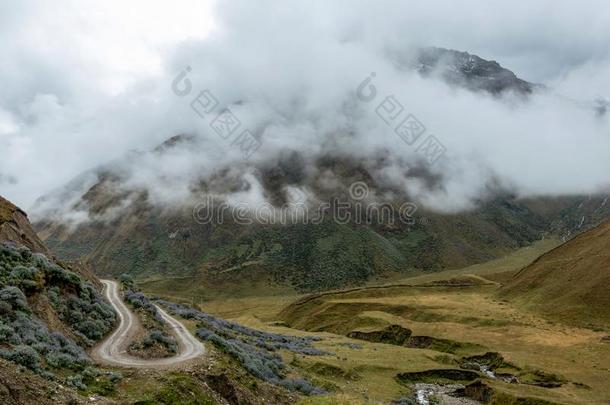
83, 86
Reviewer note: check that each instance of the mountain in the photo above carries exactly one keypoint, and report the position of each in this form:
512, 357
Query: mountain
125, 232
569, 283
467, 70
118, 225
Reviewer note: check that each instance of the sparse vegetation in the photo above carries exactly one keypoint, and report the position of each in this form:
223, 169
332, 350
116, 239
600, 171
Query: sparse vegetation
467, 320
92, 380
156, 337
75, 300
177, 389
24, 338
255, 350
158, 341
139, 301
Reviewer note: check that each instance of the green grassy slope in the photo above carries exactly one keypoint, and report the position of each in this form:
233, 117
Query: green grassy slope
148, 242
569, 283
129, 234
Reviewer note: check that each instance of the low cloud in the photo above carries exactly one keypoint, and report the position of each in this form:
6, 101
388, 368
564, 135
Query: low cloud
290, 73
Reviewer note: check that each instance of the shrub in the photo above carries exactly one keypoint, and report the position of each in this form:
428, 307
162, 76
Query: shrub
57, 274
127, 282
75, 300
157, 336
141, 301
91, 372
303, 386
14, 297
24, 355
59, 360
76, 381
87, 313
166, 340
115, 376
6, 332
253, 349
6, 309
26, 339
26, 331
26, 277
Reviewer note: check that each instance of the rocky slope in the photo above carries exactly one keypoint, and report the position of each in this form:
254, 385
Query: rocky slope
15, 227
469, 71
50, 313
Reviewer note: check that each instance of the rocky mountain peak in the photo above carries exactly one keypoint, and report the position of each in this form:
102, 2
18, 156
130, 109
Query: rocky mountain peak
470, 71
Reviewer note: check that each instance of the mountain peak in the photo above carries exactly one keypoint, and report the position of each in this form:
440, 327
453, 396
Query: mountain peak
470, 71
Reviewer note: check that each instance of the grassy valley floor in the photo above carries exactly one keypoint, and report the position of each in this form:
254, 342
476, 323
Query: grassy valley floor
453, 314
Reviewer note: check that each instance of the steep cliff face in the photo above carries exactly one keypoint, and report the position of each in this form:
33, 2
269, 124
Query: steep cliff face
15, 227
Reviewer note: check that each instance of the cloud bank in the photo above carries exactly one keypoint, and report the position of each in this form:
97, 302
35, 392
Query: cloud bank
290, 73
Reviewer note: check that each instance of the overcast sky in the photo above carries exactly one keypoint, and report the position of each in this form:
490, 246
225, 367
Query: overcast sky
83, 82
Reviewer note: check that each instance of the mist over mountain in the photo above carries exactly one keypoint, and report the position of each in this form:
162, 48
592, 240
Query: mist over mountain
307, 223
160, 211
298, 92
271, 202
180, 171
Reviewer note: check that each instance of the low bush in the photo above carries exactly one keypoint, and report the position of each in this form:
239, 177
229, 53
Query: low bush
86, 313
76, 301
76, 381
141, 301
25, 277
24, 355
127, 282
265, 340
25, 339
14, 297
255, 350
156, 337
23, 330
114, 376
166, 340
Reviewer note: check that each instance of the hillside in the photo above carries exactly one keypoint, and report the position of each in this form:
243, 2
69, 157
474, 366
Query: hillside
52, 317
127, 233
50, 314
15, 227
569, 283
132, 216
425, 331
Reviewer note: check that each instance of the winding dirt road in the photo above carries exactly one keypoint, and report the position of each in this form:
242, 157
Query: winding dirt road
113, 350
